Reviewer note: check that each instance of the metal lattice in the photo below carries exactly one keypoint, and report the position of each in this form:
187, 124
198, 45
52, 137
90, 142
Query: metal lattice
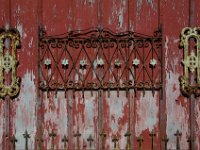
100, 59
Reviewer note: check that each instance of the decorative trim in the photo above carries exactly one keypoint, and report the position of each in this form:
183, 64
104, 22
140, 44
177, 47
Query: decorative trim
100, 59
9, 42
191, 61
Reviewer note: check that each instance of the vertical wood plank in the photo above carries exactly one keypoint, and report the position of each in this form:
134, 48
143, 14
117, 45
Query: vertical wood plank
175, 17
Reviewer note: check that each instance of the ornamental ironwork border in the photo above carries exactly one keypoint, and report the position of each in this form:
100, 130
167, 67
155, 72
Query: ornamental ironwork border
96, 59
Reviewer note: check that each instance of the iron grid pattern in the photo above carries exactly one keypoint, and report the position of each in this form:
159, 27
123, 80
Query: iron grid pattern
96, 59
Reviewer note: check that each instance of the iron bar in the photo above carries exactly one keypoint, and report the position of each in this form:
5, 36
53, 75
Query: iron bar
39, 143
77, 136
13, 141
115, 141
152, 134
140, 140
90, 140
26, 137
52, 135
128, 145
177, 134
103, 136
165, 140
65, 140
190, 142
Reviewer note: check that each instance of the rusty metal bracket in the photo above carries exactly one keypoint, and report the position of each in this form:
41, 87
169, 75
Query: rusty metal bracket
9, 82
97, 59
191, 61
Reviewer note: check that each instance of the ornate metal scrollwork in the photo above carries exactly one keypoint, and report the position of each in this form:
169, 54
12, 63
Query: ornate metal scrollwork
191, 61
100, 59
9, 82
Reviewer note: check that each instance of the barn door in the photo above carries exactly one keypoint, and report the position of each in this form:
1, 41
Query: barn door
98, 74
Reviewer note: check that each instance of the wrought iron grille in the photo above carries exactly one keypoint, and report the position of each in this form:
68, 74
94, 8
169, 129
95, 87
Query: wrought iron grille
96, 59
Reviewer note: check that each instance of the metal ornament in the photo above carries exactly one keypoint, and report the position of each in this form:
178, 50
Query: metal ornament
190, 61
8, 62
100, 59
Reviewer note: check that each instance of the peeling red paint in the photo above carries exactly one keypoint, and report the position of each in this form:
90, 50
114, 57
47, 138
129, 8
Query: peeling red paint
75, 112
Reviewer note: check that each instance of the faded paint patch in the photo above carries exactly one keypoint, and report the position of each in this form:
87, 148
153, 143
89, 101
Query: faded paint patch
30, 43
166, 52
25, 118
149, 2
177, 116
89, 115
20, 28
147, 113
197, 130
55, 116
116, 112
2, 121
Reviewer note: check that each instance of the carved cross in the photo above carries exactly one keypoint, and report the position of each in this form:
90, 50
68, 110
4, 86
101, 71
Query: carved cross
26, 136
77, 135
65, 140
165, 140
52, 135
140, 140
128, 134
102, 135
90, 140
177, 134
13, 141
152, 134
115, 140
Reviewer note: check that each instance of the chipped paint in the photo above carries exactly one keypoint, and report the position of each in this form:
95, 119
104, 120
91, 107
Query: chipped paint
147, 113
177, 115
116, 113
83, 14
140, 3
197, 129
25, 118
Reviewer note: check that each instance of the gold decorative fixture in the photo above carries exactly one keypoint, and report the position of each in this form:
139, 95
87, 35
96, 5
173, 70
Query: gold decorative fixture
190, 42
9, 82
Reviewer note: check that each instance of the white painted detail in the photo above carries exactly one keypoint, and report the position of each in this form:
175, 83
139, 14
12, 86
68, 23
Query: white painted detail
136, 62
153, 62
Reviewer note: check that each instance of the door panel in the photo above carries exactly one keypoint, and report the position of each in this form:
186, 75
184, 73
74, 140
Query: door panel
91, 112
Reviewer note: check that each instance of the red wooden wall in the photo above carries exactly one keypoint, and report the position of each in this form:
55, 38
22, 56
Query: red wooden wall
141, 114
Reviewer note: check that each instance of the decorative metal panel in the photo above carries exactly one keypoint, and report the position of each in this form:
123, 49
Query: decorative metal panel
100, 59
191, 61
9, 82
